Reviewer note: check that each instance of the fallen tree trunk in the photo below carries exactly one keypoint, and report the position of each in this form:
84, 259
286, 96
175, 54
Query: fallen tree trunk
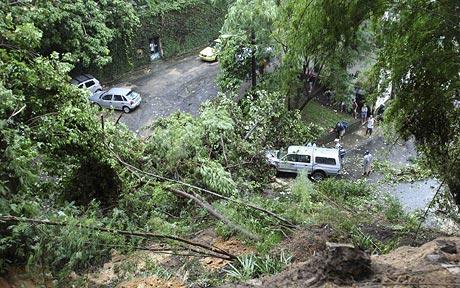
214, 213
287, 222
216, 250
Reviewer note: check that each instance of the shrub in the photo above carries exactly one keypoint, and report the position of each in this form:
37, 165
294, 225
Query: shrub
343, 189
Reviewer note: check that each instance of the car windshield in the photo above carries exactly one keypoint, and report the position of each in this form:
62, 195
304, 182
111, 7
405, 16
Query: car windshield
281, 153
214, 44
131, 95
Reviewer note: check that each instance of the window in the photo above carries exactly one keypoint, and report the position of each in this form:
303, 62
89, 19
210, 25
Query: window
298, 158
324, 160
291, 157
303, 158
107, 97
117, 98
89, 84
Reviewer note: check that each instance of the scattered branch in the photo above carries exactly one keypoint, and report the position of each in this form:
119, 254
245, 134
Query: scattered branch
133, 168
426, 212
16, 113
214, 213
216, 250
223, 149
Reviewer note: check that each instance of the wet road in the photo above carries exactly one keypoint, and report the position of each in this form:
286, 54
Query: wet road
412, 195
166, 87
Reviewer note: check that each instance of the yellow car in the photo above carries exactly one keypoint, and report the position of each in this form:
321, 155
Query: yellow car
209, 54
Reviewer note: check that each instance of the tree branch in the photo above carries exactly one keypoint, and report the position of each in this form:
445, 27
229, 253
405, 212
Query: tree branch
287, 222
229, 256
214, 213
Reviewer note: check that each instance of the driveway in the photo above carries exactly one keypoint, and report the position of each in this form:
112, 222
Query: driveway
169, 86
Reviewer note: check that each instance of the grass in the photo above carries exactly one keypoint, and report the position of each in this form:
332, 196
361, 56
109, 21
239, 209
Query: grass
323, 116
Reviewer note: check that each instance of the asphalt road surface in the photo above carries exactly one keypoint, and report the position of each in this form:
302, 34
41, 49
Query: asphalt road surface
176, 85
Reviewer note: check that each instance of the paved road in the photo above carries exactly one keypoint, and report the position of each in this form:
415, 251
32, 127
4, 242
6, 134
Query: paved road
412, 195
170, 86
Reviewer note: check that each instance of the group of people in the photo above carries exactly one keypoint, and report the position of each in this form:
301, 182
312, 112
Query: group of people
367, 159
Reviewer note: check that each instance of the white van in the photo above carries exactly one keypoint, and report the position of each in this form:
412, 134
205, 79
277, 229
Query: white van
317, 161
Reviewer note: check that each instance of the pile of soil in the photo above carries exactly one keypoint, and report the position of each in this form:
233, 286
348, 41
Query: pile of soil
304, 243
231, 245
153, 282
434, 263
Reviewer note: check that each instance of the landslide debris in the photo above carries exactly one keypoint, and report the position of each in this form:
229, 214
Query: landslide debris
434, 263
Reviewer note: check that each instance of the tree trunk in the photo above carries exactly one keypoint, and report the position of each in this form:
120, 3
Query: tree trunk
253, 60
454, 188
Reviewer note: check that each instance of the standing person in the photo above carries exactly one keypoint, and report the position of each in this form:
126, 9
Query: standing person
370, 125
354, 105
363, 114
341, 149
340, 128
367, 161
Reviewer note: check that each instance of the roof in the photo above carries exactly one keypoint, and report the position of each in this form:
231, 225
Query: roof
310, 150
119, 91
82, 78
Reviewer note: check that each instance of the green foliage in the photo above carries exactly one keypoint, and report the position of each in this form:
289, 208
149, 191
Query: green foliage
205, 145
313, 39
245, 34
216, 178
409, 173
394, 211
83, 28
252, 266
233, 70
344, 189
323, 116
424, 87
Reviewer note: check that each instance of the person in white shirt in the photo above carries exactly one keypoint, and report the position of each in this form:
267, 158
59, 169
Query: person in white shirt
370, 125
367, 162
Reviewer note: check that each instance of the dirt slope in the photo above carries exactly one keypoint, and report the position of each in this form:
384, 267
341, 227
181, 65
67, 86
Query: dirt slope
436, 263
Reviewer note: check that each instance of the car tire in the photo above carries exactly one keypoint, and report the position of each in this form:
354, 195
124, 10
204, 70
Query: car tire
318, 176
126, 109
97, 105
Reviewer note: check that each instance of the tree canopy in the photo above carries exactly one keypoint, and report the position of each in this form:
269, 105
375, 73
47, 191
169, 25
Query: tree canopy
419, 53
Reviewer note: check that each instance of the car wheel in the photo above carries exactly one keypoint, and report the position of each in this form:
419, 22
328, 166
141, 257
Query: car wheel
318, 176
126, 109
97, 105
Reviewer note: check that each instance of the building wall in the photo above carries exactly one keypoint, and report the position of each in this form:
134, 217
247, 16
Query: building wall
180, 31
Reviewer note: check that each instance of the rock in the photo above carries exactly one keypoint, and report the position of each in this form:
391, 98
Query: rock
447, 246
344, 261
435, 258
254, 282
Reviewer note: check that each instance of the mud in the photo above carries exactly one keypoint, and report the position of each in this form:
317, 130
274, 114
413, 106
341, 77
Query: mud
435, 263
153, 282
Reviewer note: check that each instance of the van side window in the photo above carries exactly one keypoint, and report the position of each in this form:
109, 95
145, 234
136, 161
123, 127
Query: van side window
324, 160
303, 158
291, 157
298, 158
